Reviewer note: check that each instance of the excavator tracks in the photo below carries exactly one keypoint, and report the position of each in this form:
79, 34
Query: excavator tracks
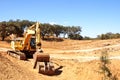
17, 54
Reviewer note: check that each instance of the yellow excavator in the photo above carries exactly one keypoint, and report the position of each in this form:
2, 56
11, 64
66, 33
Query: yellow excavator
30, 45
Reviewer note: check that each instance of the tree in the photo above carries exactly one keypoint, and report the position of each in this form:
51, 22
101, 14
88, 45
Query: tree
17, 27
109, 35
3, 30
87, 38
45, 29
57, 29
75, 36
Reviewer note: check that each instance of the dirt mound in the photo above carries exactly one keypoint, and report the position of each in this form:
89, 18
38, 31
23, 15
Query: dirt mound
71, 70
12, 71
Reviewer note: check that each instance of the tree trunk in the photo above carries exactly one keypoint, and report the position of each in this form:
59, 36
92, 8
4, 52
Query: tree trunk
3, 38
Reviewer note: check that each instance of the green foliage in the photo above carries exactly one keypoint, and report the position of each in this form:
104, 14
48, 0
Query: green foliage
17, 26
86, 38
104, 67
13, 27
75, 36
104, 57
109, 35
3, 30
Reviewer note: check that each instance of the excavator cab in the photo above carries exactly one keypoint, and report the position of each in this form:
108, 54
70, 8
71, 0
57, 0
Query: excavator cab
32, 43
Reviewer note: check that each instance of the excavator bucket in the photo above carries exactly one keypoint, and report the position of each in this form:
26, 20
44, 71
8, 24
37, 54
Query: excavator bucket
47, 70
42, 60
41, 57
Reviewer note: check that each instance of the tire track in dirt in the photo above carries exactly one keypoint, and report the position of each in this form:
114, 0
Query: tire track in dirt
76, 57
89, 50
80, 58
83, 50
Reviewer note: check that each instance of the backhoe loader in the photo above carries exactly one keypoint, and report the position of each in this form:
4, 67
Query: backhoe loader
30, 45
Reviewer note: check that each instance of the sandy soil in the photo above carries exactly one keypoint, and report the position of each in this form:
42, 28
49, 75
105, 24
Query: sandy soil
64, 56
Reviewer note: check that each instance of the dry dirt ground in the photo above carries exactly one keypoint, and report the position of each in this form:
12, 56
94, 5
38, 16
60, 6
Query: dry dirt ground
73, 60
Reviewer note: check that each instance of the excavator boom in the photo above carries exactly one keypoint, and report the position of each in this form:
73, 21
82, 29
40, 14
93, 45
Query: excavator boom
30, 43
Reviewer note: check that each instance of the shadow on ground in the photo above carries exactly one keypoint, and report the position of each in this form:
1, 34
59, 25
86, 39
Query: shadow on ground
54, 72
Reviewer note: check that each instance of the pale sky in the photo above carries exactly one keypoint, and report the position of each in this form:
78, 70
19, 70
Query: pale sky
94, 16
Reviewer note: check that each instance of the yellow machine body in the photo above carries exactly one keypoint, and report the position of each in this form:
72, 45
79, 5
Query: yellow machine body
30, 45
31, 42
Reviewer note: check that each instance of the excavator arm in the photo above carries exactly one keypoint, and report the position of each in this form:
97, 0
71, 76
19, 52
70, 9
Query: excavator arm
38, 37
33, 30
